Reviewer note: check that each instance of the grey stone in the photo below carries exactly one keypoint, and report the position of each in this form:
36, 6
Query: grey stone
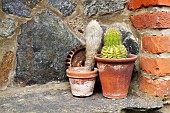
101, 7
44, 44
66, 7
7, 27
19, 7
131, 45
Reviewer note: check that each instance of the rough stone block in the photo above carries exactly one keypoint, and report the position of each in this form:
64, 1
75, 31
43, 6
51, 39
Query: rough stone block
101, 7
156, 44
19, 7
43, 46
155, 87
7, 27
151, 20
66, 7
155, 66
5, 69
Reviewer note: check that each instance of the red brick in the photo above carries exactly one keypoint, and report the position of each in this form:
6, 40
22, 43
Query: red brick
156, 44
151, 20
164, 2
155, 66
135, 4
155, 87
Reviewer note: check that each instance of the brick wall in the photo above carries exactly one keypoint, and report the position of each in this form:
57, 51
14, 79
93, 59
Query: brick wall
155, 48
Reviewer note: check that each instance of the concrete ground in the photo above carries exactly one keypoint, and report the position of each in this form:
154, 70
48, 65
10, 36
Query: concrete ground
55, 97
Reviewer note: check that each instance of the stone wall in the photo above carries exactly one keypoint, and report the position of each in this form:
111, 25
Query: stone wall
41, 33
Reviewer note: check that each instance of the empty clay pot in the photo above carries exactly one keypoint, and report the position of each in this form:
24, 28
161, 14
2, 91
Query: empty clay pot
81, 82
115, 75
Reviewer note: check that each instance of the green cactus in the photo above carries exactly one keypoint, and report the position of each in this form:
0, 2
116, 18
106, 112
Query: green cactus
113, 47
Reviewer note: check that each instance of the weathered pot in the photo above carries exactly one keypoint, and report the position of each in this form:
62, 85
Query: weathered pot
81, 82
115, 75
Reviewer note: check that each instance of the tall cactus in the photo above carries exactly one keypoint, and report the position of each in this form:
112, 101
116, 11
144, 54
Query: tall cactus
93, 36
113, 47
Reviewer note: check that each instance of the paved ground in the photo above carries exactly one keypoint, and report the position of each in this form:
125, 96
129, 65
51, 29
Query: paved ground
55, 97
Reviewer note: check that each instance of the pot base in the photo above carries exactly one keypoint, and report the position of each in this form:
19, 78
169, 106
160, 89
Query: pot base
115, 96
82, 87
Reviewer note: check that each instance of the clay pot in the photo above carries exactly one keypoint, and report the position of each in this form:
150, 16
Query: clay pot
81, 82
115, 75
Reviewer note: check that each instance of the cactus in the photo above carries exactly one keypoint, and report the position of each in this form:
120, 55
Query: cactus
93, 36
113, 47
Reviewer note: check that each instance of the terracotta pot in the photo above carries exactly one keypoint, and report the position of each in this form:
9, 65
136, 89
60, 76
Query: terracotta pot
81, 82
115, 75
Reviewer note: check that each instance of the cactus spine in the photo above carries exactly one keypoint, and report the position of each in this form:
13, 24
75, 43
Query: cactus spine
113, 47
93, 36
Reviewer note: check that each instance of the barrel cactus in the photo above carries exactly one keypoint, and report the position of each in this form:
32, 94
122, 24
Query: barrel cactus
113, 47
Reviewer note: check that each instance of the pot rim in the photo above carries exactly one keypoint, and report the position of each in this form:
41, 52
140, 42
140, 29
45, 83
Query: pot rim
130, 58
77, 74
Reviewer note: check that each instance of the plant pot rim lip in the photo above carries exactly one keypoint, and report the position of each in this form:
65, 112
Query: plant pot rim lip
75, 74
130, 58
